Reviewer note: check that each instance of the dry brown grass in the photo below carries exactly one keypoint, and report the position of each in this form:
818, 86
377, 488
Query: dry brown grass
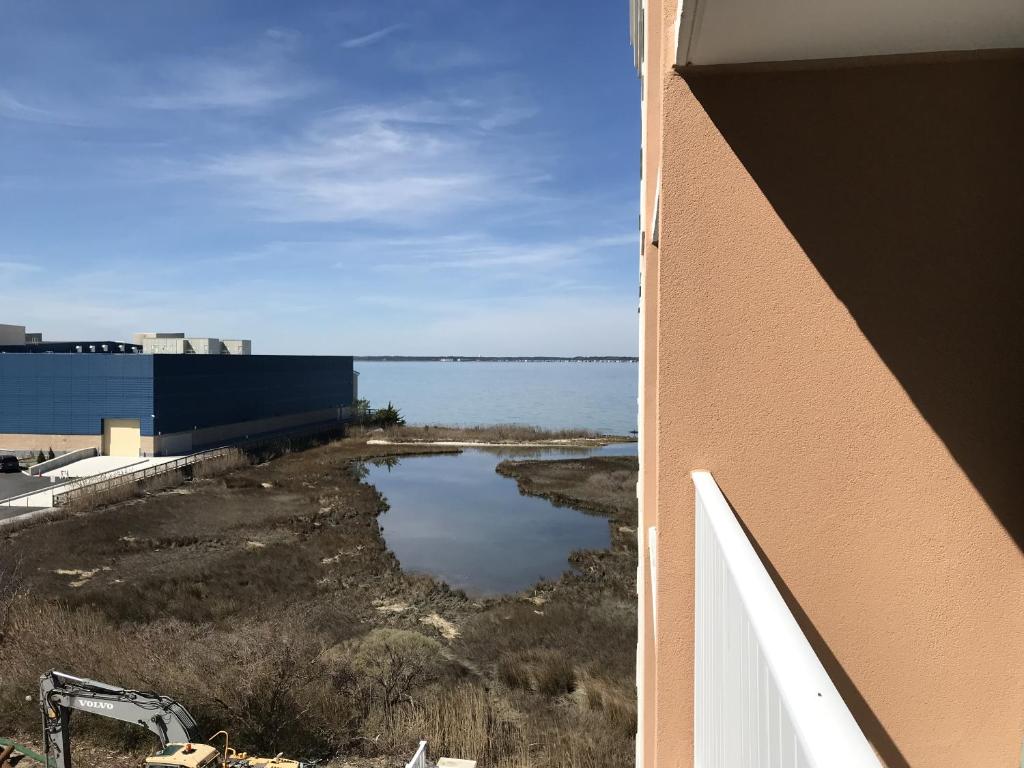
12, 587
602, 484
618, 703
220, 465
555, 674
10, 529
545, 671
90, 500
514, 671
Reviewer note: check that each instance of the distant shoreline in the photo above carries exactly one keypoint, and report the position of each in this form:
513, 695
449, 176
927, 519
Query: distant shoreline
475, 359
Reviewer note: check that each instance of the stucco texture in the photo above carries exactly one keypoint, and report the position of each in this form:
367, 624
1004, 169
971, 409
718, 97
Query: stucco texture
839, 341
655, 66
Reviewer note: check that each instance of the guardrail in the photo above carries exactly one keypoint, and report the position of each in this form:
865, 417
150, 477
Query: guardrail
116, 478
761, 696
419, 760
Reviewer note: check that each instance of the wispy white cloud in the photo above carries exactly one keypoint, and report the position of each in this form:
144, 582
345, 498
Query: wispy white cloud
13, 108
482, 255
372, 37
254, 78
476, 252
376, 163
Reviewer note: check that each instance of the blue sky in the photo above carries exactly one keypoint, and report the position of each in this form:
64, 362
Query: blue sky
356, 176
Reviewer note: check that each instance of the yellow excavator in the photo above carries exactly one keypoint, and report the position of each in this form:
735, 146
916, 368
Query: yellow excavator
181, 746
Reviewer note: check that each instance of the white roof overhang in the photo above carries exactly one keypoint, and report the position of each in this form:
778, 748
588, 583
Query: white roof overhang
713, 32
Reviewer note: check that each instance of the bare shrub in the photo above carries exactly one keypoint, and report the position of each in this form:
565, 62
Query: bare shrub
40, 637
390, 664
264, 684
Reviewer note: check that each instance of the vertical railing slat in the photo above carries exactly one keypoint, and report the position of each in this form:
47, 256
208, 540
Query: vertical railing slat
761, 697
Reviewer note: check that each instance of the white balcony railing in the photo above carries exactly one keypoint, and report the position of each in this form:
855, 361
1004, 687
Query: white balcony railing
762, 697
419, 760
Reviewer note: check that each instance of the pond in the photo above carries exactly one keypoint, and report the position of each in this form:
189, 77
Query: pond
455, 518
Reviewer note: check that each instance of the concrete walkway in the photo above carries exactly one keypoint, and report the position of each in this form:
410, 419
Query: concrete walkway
98, 465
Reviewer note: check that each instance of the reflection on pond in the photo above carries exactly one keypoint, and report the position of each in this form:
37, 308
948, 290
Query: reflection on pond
454, 517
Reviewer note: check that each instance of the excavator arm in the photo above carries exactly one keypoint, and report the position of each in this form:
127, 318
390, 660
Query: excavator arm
61, 694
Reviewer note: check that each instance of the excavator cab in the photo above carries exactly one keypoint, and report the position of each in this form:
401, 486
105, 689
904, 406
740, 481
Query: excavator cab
185, 756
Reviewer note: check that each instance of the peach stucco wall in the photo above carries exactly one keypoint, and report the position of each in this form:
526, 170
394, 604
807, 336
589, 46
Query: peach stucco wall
652, 85
838, 340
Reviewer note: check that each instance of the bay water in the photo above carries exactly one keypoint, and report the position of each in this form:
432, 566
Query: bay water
455, 518
553, 395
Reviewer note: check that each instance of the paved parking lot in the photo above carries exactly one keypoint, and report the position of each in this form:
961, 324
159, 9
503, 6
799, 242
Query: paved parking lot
15, 484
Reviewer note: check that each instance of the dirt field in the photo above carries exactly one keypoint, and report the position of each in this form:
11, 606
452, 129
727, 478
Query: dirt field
265, 600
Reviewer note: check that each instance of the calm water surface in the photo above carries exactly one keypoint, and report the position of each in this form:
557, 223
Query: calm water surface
598, 396
455, 518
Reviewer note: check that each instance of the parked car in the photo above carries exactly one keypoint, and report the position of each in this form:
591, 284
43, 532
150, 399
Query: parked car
10, 464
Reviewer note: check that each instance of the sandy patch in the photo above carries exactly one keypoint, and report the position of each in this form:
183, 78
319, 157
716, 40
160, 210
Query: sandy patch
83, 576
448, 630
394, 606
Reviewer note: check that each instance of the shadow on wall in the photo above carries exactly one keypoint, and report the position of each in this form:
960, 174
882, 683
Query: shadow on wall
904, 185
862, 712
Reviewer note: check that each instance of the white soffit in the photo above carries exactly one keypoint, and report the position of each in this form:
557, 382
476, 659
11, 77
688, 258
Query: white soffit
747, 31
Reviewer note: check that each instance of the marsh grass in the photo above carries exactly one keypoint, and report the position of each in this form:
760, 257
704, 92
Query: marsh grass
220, 465
212, 467
498, 433
90, 501
252, 640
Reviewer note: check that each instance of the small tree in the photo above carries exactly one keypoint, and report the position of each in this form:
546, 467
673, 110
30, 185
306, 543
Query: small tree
51, 454
388, 417
40, 458
360, 409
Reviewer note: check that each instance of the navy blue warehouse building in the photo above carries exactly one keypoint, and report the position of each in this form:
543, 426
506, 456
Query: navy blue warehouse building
164, 404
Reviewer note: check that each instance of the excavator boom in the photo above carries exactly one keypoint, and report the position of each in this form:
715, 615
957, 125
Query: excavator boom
60, 694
